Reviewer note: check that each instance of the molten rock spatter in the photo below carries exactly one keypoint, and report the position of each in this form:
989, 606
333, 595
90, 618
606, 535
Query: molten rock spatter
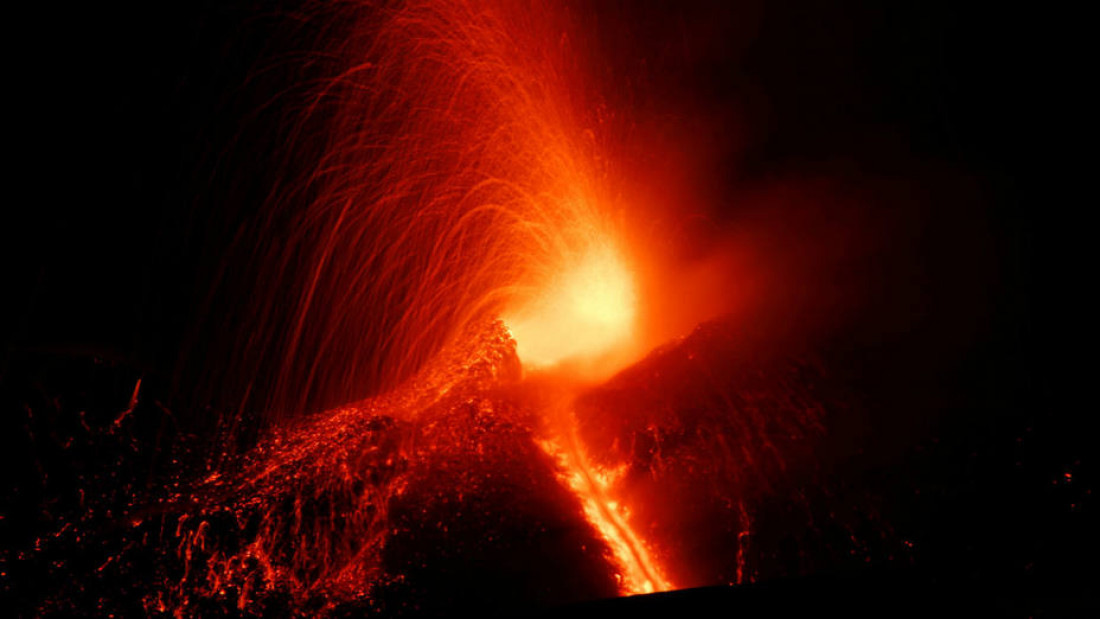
432, 497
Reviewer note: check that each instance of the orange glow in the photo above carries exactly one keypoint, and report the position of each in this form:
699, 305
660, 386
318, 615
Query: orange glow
586, 311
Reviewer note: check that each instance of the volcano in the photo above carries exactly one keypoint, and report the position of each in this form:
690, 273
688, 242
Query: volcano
448, 307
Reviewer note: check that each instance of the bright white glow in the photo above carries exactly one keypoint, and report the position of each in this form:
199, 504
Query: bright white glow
583, 313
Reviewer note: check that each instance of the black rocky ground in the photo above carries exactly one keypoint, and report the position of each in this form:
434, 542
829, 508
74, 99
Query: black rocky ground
728, 450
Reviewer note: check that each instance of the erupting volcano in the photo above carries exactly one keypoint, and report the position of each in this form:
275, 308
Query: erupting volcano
503, 307
465, 251
463, 182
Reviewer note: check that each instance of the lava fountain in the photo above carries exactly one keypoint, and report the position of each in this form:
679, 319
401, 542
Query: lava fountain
462, 220
479, 349
456, 171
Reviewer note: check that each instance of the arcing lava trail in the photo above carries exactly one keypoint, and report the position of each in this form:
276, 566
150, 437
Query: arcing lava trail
456, 171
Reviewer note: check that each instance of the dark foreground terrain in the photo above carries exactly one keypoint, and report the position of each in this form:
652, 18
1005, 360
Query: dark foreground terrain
743, 467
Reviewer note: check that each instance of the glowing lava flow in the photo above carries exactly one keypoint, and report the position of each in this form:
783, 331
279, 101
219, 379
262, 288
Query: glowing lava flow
640, 572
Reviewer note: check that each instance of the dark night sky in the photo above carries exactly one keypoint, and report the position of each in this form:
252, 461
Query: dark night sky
135, 126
